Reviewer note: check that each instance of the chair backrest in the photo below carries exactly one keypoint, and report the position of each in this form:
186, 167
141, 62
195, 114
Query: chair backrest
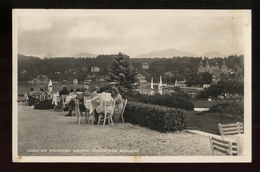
230, 129
76, 104
42, 97
109, 106
124, 105
226, 147
26, 97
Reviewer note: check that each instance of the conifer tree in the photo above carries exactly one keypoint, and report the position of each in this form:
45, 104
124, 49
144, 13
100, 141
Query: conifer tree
122, 72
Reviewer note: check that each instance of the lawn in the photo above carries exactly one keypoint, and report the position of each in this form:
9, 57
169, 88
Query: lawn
207, 122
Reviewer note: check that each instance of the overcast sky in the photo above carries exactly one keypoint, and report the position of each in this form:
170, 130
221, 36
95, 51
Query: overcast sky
133, 32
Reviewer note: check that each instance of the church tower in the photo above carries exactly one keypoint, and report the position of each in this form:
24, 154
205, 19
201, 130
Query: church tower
216, 66
223, 66
207, 67
201, 68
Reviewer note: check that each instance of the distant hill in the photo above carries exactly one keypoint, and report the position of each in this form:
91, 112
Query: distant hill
216, 54
83, 54
167, 53
24, 57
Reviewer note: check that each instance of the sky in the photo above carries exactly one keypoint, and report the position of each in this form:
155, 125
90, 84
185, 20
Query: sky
132, 32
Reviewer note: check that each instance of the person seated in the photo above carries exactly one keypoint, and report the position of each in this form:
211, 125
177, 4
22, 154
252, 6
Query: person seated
79, 90
42, 100
99, 109
72, 92
80, 97
93, 92
31, 97
118, 104
64, 91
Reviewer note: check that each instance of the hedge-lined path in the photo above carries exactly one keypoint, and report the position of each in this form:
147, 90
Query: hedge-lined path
50, 130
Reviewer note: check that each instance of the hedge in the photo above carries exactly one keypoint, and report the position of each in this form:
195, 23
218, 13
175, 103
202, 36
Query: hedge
160, 118
163, 100
230, 108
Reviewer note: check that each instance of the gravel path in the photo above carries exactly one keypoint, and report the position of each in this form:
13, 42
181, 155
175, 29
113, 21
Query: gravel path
50, 133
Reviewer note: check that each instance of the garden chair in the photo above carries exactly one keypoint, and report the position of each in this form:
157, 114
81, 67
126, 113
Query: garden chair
26, 98
56, 100
63, 99
230, 129
225, 147
108, 107
123, 110
78, 115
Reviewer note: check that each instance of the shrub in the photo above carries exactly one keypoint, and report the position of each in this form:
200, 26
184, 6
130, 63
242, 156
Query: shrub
228, 108
163, 100
160, 118
182, 94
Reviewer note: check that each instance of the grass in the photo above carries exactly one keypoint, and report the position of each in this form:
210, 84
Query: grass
207, 122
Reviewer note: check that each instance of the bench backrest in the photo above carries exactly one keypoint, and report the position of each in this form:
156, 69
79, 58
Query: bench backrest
230, 129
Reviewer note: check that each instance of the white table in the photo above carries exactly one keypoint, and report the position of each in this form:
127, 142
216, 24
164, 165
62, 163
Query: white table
90, 105
69, 97
56, 99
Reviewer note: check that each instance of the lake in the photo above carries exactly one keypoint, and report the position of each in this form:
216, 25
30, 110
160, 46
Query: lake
25, 87
144, 89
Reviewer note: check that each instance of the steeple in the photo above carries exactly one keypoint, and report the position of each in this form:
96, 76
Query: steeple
216, 66
201, 68
207, 67
223, 66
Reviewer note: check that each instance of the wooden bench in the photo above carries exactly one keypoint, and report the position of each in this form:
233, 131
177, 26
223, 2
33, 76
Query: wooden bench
230, 129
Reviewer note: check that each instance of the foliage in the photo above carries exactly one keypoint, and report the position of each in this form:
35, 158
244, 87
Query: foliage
158, 118
230, 108
222, 88
80, 68
122, 72
181, 94
163, 100
199, 79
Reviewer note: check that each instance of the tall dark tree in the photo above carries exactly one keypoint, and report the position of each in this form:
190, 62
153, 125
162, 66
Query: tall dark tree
122, 72
206, 78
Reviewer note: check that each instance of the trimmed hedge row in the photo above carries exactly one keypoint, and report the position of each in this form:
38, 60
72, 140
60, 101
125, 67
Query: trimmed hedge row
163, 100
160, 118
229, 108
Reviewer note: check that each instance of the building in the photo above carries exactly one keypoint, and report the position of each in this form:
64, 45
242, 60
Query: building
41, 78
145, 66
95, 69
75, 81
141, 78
214, 70
180, 83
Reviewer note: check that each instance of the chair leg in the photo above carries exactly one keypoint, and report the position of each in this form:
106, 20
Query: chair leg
105, 117
99, 117
111, 119
122, 118
78, 118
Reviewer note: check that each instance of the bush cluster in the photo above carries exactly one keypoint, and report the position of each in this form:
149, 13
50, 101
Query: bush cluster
182, 94
160, 118
229, 108
163, 100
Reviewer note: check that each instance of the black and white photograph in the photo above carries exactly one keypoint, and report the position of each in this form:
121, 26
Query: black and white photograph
92, 85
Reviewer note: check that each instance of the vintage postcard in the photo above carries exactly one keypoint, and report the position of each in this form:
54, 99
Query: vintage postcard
131, 86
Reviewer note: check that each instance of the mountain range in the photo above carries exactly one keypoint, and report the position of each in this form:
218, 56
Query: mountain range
167, 53
174, 52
